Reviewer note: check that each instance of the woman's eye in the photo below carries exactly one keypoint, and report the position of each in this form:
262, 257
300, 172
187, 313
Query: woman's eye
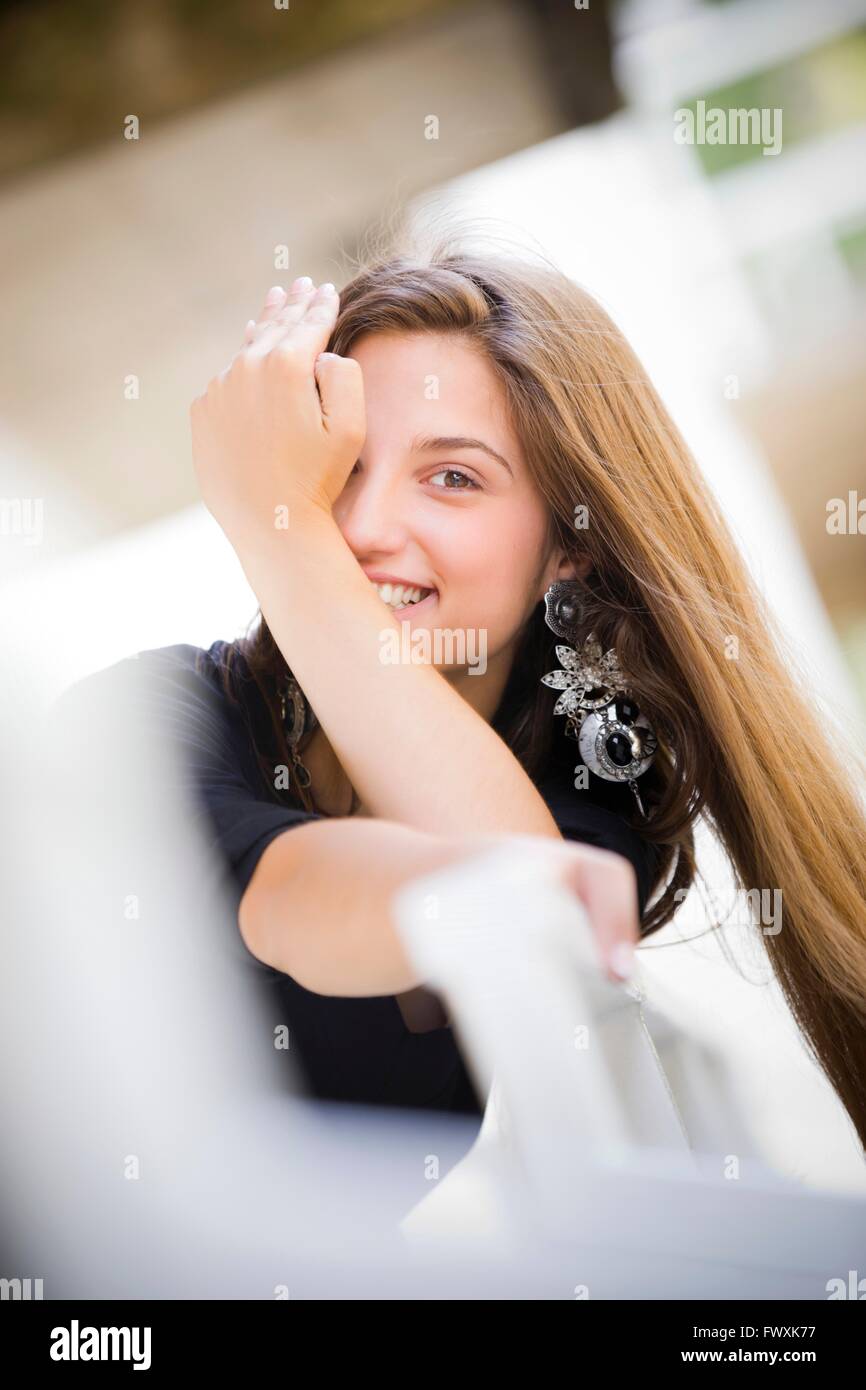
455, 473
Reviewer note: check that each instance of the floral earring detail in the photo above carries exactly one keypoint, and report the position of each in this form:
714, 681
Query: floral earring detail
615, 739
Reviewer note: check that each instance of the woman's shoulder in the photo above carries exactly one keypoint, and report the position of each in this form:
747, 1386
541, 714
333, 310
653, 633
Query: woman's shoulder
181, 663
181, 657
185, 691
202, 705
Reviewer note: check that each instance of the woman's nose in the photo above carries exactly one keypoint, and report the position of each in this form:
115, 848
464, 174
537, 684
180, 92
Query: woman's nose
370, 513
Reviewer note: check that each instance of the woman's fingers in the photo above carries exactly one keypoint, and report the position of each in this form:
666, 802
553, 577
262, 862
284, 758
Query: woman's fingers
341, 393
275, 304
312, 327
275, 299
606, 884
271, 330
305, 316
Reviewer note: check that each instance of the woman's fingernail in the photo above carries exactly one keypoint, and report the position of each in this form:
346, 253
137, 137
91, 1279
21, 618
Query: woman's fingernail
622, 960
326, 288
303, 282
251, 323
274, 294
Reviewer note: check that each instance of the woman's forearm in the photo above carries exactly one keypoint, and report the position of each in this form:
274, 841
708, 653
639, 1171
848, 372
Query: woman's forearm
414, 749
319, 905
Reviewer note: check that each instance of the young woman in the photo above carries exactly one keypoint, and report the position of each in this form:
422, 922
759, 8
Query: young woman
478, 431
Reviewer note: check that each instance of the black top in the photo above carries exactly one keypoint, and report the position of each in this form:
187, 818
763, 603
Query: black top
355, 1049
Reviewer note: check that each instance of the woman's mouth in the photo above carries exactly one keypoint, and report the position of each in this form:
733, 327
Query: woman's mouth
403, 598
404, 609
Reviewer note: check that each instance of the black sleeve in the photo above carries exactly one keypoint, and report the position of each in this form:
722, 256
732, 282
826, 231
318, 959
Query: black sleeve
239, 817
178, 695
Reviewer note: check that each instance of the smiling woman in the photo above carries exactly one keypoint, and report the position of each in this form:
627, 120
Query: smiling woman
466, 411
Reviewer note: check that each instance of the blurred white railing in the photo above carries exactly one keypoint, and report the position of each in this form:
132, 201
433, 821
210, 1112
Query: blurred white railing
606, 1121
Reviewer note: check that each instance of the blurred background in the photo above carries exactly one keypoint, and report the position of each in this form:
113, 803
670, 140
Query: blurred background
162, 165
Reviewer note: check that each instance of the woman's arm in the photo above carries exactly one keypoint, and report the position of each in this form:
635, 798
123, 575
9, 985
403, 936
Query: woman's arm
414, 749
274, 438
319, 904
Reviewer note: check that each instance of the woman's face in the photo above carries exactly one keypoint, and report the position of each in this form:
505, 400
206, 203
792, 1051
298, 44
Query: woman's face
457, 517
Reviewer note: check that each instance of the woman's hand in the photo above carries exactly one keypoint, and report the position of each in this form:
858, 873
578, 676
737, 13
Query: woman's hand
280, 429
602, 881
606, 885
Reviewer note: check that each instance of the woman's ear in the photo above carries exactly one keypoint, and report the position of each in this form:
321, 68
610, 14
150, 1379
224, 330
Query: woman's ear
573, 567
567, 567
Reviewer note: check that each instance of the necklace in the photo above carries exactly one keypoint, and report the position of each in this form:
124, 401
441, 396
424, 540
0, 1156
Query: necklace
299, 721
639, 996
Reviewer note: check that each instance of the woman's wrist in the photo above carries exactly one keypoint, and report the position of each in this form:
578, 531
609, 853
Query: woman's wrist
301, 532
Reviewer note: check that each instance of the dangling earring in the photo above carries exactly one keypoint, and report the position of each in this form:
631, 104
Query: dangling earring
298, 720
616, 741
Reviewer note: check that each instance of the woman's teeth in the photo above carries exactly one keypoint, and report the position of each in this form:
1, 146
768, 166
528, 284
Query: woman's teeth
398, 595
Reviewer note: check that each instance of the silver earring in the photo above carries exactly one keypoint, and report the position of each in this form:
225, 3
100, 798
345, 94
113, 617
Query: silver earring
298, 720
615, 739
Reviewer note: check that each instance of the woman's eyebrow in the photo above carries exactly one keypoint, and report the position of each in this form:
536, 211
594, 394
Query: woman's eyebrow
458, 441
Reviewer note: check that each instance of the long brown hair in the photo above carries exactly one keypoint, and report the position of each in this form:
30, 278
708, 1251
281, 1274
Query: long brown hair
739, 744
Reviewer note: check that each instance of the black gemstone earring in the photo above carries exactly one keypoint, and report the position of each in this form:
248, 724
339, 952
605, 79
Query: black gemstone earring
615, 739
